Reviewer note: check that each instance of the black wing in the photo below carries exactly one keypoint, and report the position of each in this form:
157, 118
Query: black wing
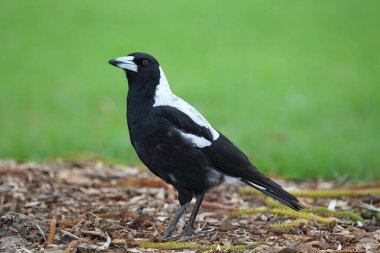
182, 121
228, 159
224, 156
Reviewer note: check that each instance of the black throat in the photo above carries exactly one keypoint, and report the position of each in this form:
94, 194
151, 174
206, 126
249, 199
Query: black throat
140, 100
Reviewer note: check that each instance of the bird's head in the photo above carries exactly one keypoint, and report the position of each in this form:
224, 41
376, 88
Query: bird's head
139, 67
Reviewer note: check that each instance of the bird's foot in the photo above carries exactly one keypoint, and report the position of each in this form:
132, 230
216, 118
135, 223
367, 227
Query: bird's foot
166, 235
188, 231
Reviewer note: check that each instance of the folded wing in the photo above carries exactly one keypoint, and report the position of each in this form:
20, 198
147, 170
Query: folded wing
228, 159
223, 155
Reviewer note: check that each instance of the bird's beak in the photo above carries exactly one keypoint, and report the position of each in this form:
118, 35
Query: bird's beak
124, 62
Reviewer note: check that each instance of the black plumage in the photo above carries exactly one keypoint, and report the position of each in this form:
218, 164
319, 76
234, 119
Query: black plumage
178, 144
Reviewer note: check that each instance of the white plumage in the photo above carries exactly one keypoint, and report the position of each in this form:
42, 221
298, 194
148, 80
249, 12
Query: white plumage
198, 141
165, 97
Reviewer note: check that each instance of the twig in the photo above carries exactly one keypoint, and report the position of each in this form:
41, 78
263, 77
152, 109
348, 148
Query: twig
25, 250
70, 234
41, 232
71, 246
51, 232
94, 215
127, 214
78, 223
343, 182
156, 226
370, 207
93, 232
71, 223
106, 245
145, 182
106, 215
216, 206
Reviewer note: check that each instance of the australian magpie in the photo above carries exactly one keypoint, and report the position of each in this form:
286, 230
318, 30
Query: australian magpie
179, 145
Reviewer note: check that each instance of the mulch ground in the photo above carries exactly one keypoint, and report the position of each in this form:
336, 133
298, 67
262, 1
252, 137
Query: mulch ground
92, 206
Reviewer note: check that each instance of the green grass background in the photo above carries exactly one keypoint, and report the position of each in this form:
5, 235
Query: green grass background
296, 84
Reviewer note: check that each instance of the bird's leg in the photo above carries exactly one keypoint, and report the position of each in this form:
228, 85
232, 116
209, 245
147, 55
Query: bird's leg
189, 230
168, 232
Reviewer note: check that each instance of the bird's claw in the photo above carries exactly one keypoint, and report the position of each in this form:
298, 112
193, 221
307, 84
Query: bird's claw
166, 236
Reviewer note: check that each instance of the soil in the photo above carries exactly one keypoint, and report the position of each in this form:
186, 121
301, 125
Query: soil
90, 206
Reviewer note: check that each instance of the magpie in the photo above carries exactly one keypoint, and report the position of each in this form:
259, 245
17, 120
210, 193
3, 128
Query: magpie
179, 145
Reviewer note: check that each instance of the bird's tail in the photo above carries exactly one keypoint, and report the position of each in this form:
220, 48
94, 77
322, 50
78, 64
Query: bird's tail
272, 189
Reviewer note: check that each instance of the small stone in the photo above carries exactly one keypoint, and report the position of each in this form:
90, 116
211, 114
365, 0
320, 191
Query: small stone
226, 225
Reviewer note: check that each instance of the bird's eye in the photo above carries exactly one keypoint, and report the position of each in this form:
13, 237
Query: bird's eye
145, 62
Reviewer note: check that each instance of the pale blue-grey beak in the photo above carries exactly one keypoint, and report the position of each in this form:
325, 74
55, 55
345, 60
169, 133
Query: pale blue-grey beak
124, 62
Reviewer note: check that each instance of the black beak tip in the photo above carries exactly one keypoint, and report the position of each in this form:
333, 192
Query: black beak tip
113, 62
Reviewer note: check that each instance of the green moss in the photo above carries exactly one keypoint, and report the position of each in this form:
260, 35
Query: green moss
287, 225
172, 245
240, 247
248, 211
273, 203
284, 212
336, 193
345, 214
190, 245
301, 215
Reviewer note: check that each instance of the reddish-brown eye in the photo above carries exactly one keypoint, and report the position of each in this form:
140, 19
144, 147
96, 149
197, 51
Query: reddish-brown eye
145, 62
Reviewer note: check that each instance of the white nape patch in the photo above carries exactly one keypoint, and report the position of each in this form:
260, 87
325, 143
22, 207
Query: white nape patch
126, 62
257, 186
165, 97
198, 141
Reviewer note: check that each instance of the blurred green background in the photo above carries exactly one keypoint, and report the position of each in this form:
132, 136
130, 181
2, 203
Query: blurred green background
295, 84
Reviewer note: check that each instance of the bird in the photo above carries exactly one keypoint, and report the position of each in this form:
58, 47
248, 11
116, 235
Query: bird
180, 146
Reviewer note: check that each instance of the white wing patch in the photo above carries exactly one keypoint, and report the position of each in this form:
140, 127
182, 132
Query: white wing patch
165, 97
257, 186
198, 141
